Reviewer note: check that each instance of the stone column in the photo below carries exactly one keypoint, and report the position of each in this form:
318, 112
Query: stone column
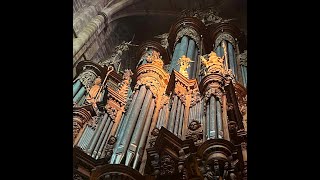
86, 33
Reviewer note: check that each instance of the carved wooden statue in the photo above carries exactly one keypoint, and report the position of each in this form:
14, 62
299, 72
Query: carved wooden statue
214, 64
155, 59
93, 92
184, 63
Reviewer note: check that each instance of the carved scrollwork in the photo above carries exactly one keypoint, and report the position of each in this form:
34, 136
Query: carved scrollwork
167, 165
109, 147
87, 77
164, 39
188, 31
164, 100
243, 58
217, 92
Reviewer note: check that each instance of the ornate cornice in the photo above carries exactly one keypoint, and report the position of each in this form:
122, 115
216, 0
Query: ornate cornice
89, 65
212, 81
218, 149
181, 86
107, 171
227, 28
153, 76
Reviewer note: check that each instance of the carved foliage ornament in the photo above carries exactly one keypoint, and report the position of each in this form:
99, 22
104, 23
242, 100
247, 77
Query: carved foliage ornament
243, 58
208, 16
126, 80
151, 83
213, 64
167, 166
155, 59
87, 77
112, 111
164, 39
188, 31
224, 36
216, 92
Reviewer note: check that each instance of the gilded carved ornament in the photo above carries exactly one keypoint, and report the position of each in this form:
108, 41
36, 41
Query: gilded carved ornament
124, 86
184, 63
93, 95
213, 64
151, 83
155, 59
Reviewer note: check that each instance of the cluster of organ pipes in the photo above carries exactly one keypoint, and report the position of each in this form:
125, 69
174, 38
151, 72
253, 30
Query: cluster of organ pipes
147, 109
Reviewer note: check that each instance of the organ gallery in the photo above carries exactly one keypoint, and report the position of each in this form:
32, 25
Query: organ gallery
168, 106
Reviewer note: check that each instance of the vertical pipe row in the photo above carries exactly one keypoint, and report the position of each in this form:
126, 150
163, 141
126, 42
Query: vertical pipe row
175, 57
181, 121
144, 135
190, 54
81, 141
138, 128
207, 120
129, 127
101, 137
97, 134
173, 113
105, 139
219, 121
182, 51
159, 118
213, 120
176, 119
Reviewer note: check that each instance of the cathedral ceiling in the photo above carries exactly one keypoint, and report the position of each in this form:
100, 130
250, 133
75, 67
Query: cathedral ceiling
141, 20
